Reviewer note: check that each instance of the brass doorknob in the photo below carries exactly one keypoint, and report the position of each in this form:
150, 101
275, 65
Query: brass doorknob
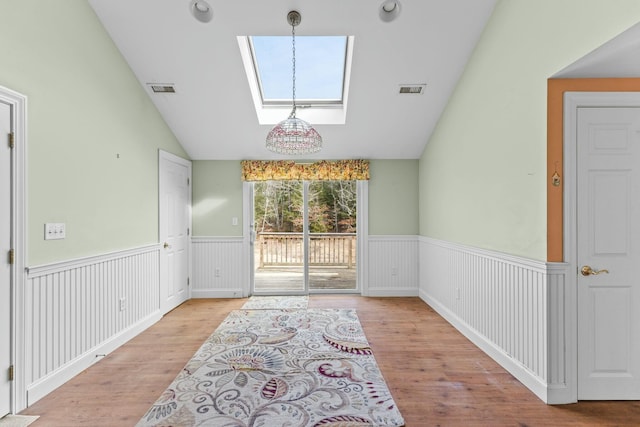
588, 271
166, 245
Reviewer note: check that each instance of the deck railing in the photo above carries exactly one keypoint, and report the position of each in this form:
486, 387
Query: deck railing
325, 249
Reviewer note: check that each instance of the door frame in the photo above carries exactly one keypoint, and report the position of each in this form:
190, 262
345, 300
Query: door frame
165, 155
362, 240
18, 103
573, 101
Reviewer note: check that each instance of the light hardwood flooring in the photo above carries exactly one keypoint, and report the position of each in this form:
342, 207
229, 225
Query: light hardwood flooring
437, 377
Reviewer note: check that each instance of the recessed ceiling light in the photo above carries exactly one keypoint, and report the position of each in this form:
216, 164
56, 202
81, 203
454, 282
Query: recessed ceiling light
201, 10
389, 10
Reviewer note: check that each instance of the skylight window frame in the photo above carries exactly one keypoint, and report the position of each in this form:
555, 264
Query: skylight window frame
317, 113
300, 102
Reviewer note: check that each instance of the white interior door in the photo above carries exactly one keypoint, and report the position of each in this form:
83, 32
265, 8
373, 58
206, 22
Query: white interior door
175, 222
5, 266
608, 248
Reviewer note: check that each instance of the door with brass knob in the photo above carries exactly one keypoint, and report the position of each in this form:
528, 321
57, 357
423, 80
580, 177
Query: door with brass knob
588, 271
174, 223
607, 252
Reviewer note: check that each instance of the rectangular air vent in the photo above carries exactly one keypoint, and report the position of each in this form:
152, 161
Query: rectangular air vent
412, 89
162, 88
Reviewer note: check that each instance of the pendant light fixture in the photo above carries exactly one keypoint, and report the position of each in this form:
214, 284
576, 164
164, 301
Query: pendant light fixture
294, 135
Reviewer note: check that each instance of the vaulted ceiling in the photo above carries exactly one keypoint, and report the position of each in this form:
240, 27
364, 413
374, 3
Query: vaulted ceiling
212, 111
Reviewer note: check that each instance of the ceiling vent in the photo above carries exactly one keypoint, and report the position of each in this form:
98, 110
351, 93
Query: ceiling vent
162, 88
412, 89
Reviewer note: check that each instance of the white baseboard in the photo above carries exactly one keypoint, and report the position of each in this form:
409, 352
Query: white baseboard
526, 377
395, 292
76, 310
47, 384
512, 308
217, 293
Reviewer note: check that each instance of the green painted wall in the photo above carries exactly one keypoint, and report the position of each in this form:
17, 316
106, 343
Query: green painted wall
93, 133
217, 198
482, 175
393, 197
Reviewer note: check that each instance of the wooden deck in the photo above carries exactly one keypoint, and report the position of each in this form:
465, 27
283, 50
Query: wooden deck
437, 377
290, 279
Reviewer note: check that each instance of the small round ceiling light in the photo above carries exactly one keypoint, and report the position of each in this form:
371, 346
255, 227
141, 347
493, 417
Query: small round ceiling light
389, 10
201, 10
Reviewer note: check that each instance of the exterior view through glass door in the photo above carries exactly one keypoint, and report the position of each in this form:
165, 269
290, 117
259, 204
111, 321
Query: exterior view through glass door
305, 237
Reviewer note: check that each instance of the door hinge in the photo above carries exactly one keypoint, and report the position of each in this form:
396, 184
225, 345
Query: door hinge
12, 256
11, 373
11, 140
188, 284
188, 231
188, 181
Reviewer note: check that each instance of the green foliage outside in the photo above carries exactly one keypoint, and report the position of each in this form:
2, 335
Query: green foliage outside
279, 206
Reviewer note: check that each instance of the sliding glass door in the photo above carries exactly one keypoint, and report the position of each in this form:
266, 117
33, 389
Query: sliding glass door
304, 237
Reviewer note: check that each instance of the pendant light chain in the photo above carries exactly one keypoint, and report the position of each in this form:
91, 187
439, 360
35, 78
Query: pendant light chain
293, 60
293, 135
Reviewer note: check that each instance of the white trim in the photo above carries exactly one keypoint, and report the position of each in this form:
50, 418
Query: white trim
573, 101
362, 227
393, 267
217, 293
57, 267
46, 385
18, 104
224, 253
79, 335
532, 382
248, 236
513, 308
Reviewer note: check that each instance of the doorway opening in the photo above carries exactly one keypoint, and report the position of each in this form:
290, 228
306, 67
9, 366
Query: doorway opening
305, 237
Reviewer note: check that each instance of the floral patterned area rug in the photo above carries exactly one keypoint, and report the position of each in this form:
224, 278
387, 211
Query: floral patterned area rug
275, 302
270, 368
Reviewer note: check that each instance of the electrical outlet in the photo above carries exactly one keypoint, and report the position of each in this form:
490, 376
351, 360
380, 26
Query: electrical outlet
234, 220
123, 304
394, 271
217, 272
54, 231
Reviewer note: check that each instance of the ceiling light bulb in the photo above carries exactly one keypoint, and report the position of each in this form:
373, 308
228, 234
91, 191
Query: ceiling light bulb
202, 7
389, 10
389, 6
201, 10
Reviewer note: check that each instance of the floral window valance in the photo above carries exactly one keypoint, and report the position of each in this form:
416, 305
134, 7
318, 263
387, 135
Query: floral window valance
287, 170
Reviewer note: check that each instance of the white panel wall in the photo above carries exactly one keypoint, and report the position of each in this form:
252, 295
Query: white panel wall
73, 313
513, 308
219, 267
392, 266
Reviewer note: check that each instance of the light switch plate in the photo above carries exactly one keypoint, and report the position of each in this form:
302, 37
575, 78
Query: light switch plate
54, 231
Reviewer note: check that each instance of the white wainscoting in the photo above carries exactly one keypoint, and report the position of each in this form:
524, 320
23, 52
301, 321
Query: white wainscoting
392, 266
513, 308
74, 315
220, 268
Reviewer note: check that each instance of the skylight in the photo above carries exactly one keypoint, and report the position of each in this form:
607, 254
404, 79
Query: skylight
320, 67
323, 65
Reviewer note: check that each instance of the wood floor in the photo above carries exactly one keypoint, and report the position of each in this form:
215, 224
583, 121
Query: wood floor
437, 377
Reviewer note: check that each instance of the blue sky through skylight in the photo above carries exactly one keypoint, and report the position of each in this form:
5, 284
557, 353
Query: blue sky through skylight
320, 66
